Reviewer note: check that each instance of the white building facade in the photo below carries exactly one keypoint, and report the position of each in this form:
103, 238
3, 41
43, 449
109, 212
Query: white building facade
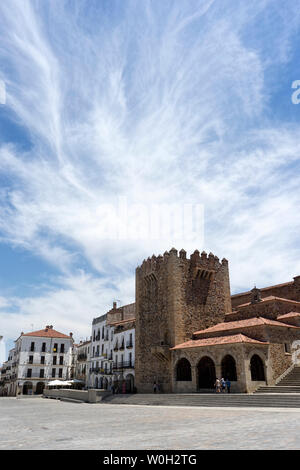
39, 357
82, 360
112, 350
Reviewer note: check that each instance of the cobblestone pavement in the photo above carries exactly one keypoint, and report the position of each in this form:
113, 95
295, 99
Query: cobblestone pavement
37, 423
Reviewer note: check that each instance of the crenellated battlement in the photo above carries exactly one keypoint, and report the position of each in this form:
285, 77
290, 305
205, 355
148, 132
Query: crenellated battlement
204, 260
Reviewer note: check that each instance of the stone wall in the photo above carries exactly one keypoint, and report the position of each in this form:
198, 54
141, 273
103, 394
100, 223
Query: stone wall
175, 296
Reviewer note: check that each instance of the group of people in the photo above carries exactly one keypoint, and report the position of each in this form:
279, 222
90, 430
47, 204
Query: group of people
222, 385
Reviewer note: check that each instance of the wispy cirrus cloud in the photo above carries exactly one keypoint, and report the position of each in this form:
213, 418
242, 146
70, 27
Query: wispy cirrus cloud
155, 102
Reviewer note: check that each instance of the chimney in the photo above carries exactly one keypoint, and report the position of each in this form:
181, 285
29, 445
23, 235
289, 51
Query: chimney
71, 335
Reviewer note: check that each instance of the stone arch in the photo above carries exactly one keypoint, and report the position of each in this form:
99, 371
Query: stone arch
27, 388
39, 388
228, 366
206, 372
183, 371
257, 369
129, 383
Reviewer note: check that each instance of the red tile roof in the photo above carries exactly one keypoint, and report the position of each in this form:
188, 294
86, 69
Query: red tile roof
47, 333
198, 343
269, 299
289, 315
263, 288
232, 325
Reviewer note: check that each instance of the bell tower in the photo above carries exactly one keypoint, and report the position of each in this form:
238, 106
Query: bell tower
175, 296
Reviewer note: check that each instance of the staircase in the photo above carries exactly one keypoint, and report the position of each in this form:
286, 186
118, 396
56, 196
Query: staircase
289, 384
207, 400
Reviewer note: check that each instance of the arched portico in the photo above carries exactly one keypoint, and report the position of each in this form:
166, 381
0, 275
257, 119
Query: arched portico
228, 367
257, 369
27, 388
206, 373
183, 370
39, 388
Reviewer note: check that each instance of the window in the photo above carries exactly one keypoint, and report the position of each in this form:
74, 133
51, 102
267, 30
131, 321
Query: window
62, 348
60, 373
44, 347
54, 360
30, 360
41, 373
287, 348
61, 360
55, 347
32, 346
53, 372
29, 372
42, 359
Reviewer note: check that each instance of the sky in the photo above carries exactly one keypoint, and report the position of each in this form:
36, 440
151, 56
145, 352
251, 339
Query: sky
129, 127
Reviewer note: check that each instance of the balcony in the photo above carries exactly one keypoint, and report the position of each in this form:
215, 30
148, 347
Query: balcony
129, 344
122, 347
123, 365
81, 357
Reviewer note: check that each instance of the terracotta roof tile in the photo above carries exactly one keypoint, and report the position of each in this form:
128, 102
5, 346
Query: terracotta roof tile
268, 299
289, 315
263, 288
232, 325
198, 343
47, 333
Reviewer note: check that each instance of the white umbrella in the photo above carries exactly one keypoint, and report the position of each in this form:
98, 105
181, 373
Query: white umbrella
55, 383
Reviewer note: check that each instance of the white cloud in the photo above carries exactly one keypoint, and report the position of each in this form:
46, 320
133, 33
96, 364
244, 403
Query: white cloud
156, 103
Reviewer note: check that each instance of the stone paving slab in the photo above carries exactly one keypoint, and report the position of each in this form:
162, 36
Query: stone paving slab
52, 424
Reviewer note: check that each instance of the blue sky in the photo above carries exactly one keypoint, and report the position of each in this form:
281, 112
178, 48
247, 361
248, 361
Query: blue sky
185, 102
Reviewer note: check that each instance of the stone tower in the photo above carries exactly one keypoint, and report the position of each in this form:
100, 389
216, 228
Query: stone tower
175, 296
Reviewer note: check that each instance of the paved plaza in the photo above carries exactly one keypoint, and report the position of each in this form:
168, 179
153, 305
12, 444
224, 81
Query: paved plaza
37, 423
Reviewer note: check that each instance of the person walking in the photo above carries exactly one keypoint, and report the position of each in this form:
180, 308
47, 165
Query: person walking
223, 385
154, 387
218, 385
228, 385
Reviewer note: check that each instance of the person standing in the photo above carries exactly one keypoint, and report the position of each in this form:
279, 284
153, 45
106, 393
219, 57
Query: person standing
228, 385
154, 387
223, 385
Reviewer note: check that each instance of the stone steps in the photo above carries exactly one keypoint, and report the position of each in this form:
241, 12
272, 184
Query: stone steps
208, 400
278, 389
290, 384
